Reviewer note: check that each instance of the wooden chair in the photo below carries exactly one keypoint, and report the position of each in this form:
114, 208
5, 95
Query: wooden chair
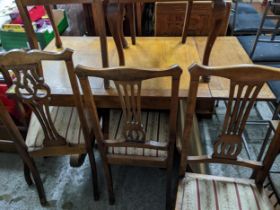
132, 143
170, 17
114, 13
53, 131
197, 190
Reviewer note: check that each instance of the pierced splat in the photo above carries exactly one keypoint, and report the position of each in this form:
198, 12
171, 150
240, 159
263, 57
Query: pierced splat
241, 101
33, 91
129, 93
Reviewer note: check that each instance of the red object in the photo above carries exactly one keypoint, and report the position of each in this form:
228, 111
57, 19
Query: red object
8, 103
35, 14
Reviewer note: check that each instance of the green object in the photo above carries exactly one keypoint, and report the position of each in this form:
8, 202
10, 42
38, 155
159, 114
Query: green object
16, 40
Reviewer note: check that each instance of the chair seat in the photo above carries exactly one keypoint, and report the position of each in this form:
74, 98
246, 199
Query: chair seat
198, 191
66, 121
245, 8
249, 23
274, 84
156, 126
265, 52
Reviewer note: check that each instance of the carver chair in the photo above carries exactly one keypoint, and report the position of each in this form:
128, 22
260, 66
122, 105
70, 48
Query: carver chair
196, 191
136, 137
53, 130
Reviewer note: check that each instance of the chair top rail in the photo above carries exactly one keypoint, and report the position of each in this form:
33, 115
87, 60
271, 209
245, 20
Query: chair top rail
244, 72
127, 74
21, 57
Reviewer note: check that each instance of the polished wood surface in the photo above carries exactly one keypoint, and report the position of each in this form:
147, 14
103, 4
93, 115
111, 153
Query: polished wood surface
149, 52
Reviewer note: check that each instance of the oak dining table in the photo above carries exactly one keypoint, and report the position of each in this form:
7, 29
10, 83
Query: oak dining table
149, 52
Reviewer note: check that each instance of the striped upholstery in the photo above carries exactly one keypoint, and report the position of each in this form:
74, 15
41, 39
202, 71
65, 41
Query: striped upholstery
205, 192
156, 125
67, 123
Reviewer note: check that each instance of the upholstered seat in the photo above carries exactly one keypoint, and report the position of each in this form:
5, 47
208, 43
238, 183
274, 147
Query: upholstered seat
156, 125
66, 121
248, 23
265, 52
198, 191
245, 8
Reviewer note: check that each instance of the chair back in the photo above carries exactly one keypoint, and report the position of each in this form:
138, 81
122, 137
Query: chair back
169, 18
31, 89
246, 82
128, 83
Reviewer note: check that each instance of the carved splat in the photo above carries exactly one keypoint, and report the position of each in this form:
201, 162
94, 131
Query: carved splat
241, 101
33, 91
129, 93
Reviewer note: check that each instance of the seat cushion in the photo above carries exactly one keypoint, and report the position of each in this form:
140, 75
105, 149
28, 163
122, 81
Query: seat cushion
156, 125
197, 191
265, 52
274, 84
244, 8
66, 121
248, 23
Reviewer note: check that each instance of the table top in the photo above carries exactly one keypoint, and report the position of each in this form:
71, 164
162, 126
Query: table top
149, 52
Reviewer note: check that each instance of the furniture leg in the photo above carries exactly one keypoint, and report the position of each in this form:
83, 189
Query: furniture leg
187, 21
139, 17
121, 15
169, 185
27, 174
98, 16
31, 36
219, 12
108, 174
94, 174
77, 160
58, 42
29, 163
130, 8
113, 17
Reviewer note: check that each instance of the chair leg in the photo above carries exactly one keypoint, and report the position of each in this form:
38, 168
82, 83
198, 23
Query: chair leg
108, 174
27, 174
29, 163
169, 188
131, 17
94, 174
121, 16
113, 18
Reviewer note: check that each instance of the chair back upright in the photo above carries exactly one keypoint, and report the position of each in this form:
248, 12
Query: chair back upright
270, 33
246, 82
128, 83
31, 88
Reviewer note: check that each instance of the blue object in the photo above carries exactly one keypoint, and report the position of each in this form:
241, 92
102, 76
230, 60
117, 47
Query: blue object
265, 52
245, 8
249, 23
